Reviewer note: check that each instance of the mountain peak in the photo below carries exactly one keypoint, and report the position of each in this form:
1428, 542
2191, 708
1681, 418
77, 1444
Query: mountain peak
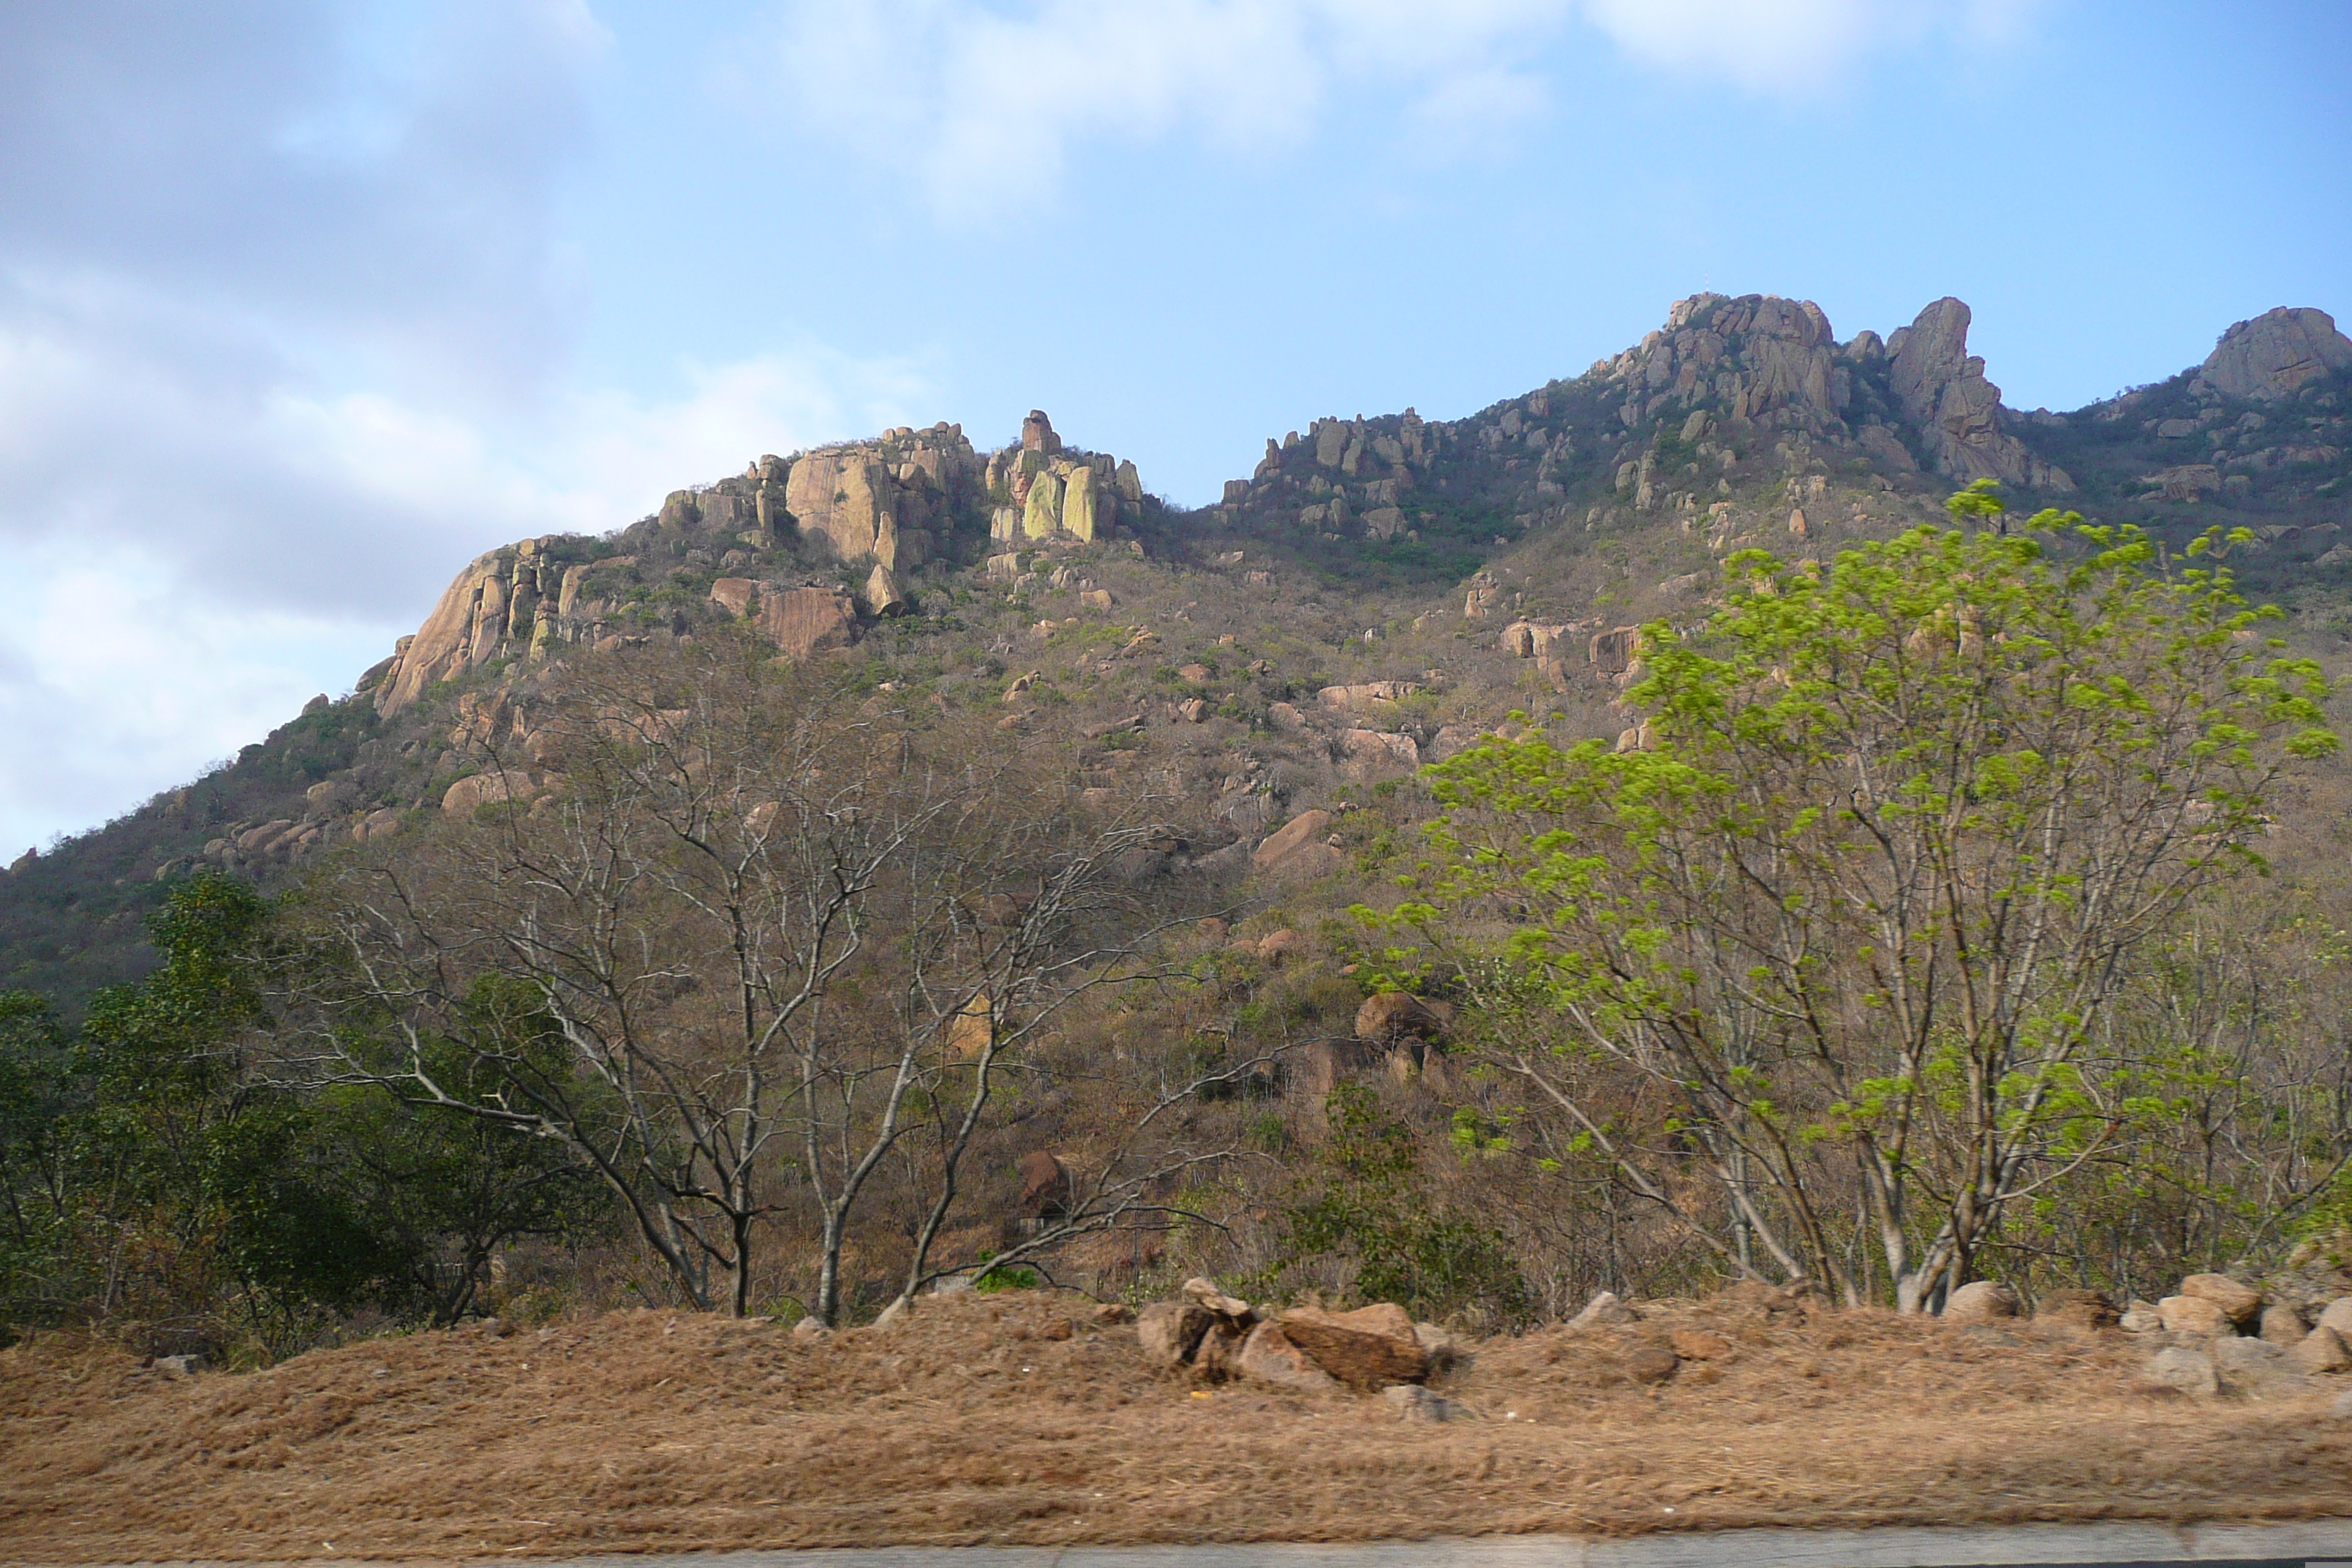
2276, 353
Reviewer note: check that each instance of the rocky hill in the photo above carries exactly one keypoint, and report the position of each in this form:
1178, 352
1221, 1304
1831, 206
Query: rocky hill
1371, 594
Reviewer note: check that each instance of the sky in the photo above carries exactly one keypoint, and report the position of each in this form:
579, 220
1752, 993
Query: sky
303, 305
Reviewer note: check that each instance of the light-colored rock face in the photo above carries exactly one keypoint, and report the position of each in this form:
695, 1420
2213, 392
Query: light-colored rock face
482, 789
1330, 442
884, 596
801, 621
444, 645
1043, 514
1942, 387
1611, 652
1755, 355
1301, 831
833, 494
2276, 353
1080, 503
1379, 749
734, 594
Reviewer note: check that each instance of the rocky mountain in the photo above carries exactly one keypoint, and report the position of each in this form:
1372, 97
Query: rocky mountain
1371, 593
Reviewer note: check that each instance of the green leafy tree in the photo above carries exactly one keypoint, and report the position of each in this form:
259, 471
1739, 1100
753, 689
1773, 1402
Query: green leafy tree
163, 1169
1827, 966
42, 1088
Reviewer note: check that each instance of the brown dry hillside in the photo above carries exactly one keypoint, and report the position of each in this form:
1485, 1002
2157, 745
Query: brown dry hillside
1017, 1419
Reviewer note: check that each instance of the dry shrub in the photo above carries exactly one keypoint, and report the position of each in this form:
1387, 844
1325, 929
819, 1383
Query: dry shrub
974, 1422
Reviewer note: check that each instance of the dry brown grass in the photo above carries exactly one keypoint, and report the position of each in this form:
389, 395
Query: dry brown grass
657, 1431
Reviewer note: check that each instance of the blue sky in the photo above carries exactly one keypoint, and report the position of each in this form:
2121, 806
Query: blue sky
302, 305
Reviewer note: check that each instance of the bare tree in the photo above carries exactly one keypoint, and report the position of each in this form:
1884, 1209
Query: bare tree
748, 924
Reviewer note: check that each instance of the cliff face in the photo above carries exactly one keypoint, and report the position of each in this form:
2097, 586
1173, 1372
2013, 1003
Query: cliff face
801, 546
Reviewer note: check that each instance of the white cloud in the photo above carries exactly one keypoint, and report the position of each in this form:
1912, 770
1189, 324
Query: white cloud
985, 105
187, 554
1786, 47
197, 533
116, 681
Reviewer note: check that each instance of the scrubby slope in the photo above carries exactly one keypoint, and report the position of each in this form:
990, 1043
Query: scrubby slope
1597, 501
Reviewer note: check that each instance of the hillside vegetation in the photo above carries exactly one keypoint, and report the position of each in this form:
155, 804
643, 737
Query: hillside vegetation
1648, 834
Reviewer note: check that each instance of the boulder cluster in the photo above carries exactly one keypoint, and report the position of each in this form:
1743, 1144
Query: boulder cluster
2219, 1334
1211, 1337
2216, 1334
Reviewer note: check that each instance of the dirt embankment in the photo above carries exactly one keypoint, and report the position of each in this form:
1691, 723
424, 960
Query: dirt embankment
1017, 1419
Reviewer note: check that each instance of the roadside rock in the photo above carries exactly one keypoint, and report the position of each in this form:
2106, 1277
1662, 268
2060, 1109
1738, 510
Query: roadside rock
2141, 1317
1268, 1356
2337, 1315
1981, 1302
1604, 1311
1414, 1403
1204, 1293
1369, 1347
2239, 1303
2193, 1315
2284, 1326
2183, 1370
2321, 1351
1170, 1332
1218, 1358
1771, 1299
2246, 1359
1652, 1365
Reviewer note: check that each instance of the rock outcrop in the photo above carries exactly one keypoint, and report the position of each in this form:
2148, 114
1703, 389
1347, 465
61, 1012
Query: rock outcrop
1371, 1347
878, 512
2276, 353
1958, 412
